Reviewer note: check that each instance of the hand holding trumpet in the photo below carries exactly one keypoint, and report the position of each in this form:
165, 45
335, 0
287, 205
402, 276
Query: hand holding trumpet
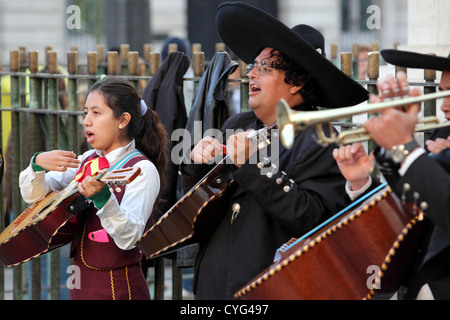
291, 122
393, 126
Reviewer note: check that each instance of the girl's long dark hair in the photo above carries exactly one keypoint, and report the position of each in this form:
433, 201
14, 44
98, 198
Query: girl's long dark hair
147, 130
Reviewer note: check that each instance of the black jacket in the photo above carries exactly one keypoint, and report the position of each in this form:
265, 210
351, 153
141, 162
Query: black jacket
211, 103
210, 109
433, 258
269, 216
439, 133
432, 183
164, 94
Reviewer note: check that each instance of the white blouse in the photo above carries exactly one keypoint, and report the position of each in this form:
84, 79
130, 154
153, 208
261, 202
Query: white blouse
124, 223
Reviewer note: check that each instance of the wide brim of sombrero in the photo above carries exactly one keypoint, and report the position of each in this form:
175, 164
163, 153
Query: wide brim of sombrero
408, 59
245, 29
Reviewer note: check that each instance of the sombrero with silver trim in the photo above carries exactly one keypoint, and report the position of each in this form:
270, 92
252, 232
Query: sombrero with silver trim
246, 29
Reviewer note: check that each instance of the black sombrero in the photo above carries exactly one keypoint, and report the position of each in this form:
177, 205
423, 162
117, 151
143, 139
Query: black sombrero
407, 59
246, 29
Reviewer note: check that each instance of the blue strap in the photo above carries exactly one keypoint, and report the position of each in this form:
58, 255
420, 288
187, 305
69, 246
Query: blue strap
337, 215
124, 160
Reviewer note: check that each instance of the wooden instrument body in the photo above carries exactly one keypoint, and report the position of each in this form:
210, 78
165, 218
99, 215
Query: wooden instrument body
51, 222
196, 216
29, 239
360, 254
193, 218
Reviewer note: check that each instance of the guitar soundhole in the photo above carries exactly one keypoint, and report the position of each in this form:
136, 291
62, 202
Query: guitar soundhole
43, 211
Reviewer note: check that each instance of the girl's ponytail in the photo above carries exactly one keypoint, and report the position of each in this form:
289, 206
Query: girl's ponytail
153, 142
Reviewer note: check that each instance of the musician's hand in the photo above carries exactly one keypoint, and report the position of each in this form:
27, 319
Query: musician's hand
355, 164
394, 126
438, 145
206, 150
90, 186
390, 88
57, 160
240, 148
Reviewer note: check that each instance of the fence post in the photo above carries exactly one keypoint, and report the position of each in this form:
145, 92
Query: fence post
92, 67
35, 103
334, 54
172, 47
55, 255
15, 165
24, 154
147, 50
198, 62
177, 281
101, 58
373, 73
133, 67
398, 68
196, 47
155, 62
429, 107
373, 70
220, 46
159, 279
72, 100
112, 62
347, 65
355, 51
429, 77
243, 86
124, 49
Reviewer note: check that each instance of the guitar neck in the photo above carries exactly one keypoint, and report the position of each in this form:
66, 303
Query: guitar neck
70, 190
124, 175
99, 176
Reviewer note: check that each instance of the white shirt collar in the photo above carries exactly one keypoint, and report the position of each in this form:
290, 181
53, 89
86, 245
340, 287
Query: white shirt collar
115, 154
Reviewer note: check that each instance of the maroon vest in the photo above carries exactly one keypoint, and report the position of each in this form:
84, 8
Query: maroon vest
103, 255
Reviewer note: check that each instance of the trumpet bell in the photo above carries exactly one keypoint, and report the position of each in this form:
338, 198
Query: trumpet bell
290, 122
285, 125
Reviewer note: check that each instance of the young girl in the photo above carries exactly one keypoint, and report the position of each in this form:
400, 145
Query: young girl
116, 122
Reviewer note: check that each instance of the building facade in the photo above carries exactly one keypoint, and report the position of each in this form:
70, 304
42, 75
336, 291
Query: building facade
37, 24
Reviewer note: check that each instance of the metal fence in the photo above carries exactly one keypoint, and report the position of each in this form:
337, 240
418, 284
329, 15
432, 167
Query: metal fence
41, 109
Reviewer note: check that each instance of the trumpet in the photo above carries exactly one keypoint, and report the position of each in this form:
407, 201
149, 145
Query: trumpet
290, 123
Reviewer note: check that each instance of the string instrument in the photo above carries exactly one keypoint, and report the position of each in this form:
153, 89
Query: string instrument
51, 222
199, 212
360, 253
